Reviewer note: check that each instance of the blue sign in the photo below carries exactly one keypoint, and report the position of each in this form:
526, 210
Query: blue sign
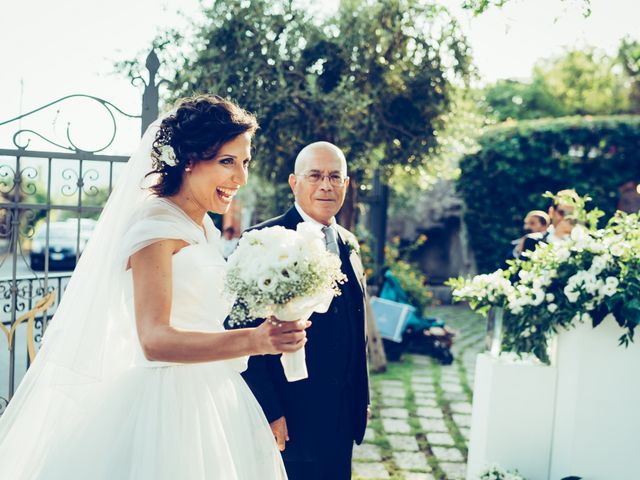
391, 317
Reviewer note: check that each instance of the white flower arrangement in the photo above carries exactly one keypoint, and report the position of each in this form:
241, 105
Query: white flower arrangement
495, 472
168, 155
284, 273
593, 276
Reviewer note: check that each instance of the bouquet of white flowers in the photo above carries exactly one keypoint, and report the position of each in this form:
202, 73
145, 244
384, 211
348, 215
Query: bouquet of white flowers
288, 274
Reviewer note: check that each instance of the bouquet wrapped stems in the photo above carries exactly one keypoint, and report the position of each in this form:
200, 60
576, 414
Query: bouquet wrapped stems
295, 364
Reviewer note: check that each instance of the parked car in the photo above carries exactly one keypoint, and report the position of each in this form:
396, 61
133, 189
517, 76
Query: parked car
63, 244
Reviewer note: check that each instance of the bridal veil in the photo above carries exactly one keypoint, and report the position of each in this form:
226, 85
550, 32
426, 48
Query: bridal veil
90, 338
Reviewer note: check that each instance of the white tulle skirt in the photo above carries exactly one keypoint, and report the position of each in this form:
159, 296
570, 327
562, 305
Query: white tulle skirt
181, 422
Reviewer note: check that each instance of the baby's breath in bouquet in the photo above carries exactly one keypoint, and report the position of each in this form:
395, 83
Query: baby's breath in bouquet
288, 274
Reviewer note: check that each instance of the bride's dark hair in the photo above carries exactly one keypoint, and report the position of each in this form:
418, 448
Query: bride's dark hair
196, 131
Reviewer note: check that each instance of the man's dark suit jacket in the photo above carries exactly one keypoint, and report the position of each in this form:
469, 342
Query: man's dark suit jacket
532, 240
336, 362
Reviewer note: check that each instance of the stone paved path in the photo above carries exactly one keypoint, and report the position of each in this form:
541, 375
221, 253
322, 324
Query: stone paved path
421, 411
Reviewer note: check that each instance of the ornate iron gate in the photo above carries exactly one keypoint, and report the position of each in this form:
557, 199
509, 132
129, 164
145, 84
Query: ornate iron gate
48, 205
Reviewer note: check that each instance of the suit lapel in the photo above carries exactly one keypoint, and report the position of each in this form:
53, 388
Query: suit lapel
354, 258
291, 218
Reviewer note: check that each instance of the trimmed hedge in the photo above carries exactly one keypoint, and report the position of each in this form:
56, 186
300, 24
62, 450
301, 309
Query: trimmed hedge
518, 161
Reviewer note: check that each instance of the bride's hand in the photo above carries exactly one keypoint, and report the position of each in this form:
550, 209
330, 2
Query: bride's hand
274, 336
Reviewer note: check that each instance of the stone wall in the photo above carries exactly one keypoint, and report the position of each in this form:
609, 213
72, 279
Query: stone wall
438, 214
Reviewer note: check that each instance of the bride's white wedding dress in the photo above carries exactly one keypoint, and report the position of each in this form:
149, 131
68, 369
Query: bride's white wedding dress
92, 407
168, 421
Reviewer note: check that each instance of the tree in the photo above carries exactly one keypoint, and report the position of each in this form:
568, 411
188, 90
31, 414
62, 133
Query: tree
513, 99
580, 82
375, 79
629, 56
585, 82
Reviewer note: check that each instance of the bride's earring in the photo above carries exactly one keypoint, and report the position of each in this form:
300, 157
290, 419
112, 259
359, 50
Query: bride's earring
188, 169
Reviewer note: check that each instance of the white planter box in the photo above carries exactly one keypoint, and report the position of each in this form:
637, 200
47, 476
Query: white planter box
512, 418
580, 416
597, 414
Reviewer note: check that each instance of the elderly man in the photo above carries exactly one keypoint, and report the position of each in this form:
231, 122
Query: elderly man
315, 421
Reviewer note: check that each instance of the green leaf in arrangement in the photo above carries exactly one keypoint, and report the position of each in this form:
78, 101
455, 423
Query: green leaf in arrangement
631, 311
599, 314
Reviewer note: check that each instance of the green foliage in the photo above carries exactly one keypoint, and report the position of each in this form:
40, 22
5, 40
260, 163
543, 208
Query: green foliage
512, 99
481, 6
366, 253
579, 82
517, 162
629, 57
374, 79
585, 82
397, 259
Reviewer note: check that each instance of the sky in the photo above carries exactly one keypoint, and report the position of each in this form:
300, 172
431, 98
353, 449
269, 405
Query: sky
54, 48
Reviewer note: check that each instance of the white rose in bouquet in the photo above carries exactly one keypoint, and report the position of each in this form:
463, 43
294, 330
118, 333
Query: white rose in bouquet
284, 273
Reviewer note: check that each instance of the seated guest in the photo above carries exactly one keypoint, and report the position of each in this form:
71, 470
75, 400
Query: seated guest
562, 221
536, 222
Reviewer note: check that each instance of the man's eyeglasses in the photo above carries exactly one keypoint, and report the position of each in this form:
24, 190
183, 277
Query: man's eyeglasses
313, 178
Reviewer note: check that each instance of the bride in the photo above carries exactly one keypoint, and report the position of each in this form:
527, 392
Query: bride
136, 378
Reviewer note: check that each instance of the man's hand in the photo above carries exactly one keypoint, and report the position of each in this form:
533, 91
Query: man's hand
279, 429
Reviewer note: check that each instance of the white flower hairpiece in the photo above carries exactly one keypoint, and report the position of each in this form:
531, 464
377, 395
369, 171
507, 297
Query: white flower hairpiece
168, 155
